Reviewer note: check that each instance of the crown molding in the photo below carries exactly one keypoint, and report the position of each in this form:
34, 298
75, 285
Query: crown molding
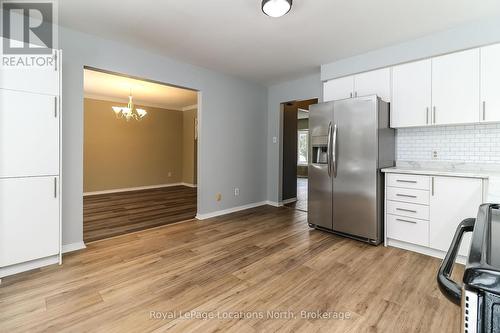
138, 102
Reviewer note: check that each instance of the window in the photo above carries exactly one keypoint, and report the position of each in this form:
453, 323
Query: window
302, 147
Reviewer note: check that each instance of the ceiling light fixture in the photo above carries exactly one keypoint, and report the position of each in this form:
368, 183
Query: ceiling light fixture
276, 8
128, 112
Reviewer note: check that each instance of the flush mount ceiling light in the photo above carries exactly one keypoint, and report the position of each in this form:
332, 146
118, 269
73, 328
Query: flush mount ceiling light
276, 8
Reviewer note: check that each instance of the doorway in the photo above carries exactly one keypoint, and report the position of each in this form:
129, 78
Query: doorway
140, 154
295, 153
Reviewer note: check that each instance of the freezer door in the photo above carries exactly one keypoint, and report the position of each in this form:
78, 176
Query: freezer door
320, 115
320, 167
355, 167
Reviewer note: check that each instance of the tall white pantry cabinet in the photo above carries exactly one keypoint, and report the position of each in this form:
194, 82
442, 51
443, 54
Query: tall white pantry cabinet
30, 166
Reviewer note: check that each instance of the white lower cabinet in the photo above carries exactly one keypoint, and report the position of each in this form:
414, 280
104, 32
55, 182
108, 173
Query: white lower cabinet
425, 219
29, 219
453, 200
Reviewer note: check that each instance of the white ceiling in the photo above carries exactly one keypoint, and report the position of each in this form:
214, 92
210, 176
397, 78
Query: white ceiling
234, 37
99, 85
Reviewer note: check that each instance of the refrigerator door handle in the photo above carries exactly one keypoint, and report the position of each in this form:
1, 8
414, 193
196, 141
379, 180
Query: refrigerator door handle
329, 149
334, 151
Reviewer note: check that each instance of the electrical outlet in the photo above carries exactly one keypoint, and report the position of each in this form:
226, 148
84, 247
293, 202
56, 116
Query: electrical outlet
218, 197
434, 155
170, 173
275, 139
236, 191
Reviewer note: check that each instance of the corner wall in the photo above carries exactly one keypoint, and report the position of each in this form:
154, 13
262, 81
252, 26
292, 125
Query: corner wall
120, 154
308, 87
230, 155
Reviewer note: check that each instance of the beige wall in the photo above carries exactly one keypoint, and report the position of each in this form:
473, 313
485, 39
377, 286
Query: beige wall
189, 151
120, 154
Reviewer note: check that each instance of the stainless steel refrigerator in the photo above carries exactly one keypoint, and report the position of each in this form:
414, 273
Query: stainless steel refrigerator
350, 141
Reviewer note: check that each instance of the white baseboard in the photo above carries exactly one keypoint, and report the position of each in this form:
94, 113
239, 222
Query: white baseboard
118, 190
67, 248
287, 201
423, 250
273, 203
38, 263
27, 266
230, 210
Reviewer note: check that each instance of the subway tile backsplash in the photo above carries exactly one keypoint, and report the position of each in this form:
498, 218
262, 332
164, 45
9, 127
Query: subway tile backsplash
479, 143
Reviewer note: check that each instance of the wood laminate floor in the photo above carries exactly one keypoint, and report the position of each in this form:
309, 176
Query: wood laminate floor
249, 263
301, 203
109, 215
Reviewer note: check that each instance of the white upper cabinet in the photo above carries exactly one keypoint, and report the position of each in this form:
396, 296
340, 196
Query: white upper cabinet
40, 79
338, 89
490, 83
455, 88
29, 134
411, 94
447, 209
376, 82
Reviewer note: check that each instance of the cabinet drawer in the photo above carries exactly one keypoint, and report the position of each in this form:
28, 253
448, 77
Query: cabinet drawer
408, 229
408, 181
408, 195
408, 209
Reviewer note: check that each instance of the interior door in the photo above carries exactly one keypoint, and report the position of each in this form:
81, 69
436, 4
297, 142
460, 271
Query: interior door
490, 83
377, 82
355, 179
29, 219
455, 88
289, 189
452, 200
338, 89
411, 94
320, 181
29, 134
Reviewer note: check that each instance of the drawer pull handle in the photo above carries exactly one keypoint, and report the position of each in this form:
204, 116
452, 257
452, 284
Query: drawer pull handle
406, 210
401, 220
406, 195
406, 181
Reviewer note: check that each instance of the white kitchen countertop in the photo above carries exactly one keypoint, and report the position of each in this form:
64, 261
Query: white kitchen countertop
446, 169
491, 172
439, 172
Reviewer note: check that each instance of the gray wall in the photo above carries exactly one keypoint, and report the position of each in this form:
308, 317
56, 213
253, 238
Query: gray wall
466, 36
305, 88
233, 117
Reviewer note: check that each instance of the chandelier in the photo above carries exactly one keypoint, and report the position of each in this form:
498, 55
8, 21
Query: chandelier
128, 112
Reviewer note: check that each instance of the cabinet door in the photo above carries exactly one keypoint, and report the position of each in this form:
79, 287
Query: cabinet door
40, 79
29, 219
455, 88
338, 89
411, 94
452, 200
490, 83
29, 134
376, 82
